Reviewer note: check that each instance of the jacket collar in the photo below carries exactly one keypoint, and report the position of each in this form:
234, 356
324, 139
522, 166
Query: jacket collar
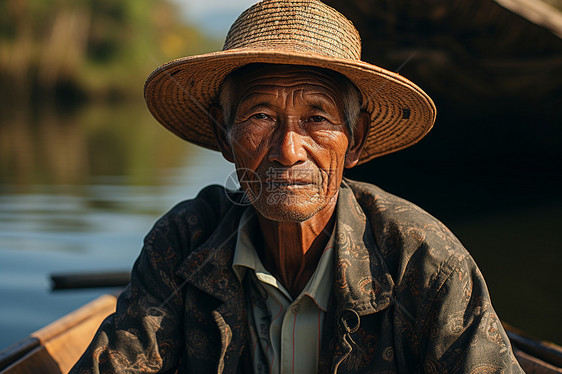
209, 267
362, 280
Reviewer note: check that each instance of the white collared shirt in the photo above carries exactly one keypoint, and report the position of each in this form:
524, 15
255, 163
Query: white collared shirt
285, 332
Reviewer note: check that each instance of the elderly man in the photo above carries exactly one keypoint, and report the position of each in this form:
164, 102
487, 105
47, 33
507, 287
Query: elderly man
301, 271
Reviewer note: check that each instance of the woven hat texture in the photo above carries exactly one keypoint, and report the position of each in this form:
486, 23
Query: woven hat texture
295, 32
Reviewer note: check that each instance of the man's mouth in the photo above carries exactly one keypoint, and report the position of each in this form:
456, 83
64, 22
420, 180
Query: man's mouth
280, 184
288, 183
291, 178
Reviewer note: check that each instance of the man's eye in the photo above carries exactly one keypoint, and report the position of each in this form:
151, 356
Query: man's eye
260, 116
317, 119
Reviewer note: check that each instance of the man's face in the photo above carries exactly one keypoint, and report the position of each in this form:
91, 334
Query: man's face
290, 133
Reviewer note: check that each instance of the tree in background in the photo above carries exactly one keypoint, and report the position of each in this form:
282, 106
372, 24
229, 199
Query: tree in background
87, 48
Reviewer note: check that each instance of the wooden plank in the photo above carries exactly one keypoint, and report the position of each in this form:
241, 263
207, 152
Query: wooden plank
17, 350
533, 365
66, 348
38, 360
545, 351
93, 309
56, 347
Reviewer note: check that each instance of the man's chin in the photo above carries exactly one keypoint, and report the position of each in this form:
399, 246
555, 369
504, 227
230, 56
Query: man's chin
287, 211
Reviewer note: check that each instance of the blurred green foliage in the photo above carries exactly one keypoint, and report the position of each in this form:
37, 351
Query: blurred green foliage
88, 49
81, 145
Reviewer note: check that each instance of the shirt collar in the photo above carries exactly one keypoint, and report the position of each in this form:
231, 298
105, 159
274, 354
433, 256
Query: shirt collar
320, 283
245, 255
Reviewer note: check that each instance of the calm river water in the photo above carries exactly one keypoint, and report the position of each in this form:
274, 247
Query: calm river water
78, 192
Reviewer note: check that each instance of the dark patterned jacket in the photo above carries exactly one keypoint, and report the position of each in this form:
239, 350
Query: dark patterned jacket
407, 297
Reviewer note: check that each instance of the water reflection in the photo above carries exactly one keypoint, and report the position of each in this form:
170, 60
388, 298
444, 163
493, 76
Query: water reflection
54, 148
78, 192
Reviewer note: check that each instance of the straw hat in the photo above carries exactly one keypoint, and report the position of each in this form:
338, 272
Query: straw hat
296, 32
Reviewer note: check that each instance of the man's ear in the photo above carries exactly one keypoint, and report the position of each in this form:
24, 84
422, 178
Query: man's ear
216, 119
358, 139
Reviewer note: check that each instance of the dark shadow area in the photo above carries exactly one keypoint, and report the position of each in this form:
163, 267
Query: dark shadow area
491, 169
495, 181
486, 163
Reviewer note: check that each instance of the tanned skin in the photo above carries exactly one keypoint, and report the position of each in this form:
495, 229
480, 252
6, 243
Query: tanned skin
290, 130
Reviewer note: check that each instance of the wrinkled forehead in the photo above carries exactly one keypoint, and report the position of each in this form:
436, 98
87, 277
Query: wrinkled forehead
305, 84
263, 75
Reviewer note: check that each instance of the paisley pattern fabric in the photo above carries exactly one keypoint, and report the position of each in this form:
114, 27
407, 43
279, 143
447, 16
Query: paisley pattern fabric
407, 297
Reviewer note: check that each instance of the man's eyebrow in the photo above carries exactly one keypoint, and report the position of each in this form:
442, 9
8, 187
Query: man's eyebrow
323, 105
321, 99
259, 104
256, 97
318, 107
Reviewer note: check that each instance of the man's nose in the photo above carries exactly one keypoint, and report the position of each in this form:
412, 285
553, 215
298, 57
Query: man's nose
287, 147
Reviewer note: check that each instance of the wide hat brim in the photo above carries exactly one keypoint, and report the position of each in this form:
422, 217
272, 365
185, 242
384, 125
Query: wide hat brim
180, 93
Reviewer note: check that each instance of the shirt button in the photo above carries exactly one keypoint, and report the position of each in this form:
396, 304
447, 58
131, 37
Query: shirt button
296, 308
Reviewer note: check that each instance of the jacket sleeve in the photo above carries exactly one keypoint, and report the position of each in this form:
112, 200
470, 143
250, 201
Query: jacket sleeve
461, 332
144, 334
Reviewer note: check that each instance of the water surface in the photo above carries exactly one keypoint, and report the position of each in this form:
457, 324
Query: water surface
77, 194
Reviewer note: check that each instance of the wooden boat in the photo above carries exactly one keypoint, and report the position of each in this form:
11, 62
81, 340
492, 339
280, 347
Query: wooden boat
56, 347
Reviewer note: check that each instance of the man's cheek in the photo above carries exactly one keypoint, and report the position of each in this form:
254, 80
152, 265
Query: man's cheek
248, 137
